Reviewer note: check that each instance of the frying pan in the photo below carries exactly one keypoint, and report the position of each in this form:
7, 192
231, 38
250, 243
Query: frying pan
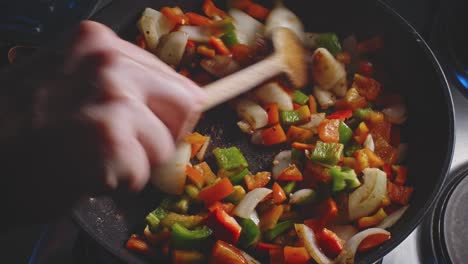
411, 70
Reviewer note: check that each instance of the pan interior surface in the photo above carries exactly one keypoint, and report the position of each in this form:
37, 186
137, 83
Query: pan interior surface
411, 70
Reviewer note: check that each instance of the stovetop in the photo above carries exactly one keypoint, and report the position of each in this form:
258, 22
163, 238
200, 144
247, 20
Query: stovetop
62, 242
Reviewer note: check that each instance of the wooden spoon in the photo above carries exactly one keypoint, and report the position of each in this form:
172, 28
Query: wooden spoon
288, 57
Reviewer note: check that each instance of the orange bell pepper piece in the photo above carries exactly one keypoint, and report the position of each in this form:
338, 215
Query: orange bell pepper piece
270, 218
291, 173
175, 14
372, 241
264, 248
205, 51
206, 171
219, 46
302, 146
399, 194
258, 180
195, 176
312, 104
195, 138
361, 132
373, 220
328, 130
211, 10
299, 134
273, 135
279, 195
216, 192
241, 53
352, 100
295, 255
273, 114
137, 244
197, 20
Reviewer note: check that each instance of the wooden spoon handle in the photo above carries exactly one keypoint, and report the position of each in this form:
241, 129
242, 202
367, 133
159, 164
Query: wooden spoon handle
239, 82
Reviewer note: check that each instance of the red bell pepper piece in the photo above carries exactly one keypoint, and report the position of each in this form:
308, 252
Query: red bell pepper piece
312, 104
388, 171
330, 243
367, 87
227, 207
295, 255
401, 174
223, 252
265, 248
291, 173
372, 241
273, 135
211, 10
296, 106
216, 192
175, 14
197, 20
224, 226
341, 115
137, 244
399, 194
327, 211
273, 114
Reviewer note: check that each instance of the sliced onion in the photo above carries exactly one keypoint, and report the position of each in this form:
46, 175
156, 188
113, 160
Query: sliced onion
279, 17
310, 40
402, 152
170, 177
326, 70
396, 114
301, 196
273, 93
324, 98
248, 29
341, 87
315, 120
349, 251
307, 236
254, 217
196, 33
153, 25
245, 127
220, 65
390, 220
367, 198
247, 205
171, 48
281, 161
369, 142
251, 112
202, 152
257, 138
344, 232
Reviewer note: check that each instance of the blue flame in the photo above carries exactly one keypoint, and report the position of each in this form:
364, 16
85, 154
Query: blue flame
462, 79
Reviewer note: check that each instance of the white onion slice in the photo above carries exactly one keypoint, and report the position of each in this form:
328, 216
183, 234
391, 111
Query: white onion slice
281, 17
251, 112
301, 196
396, 114
315, 120
273, 93
351, 246
369, 142
248, 29
153, 25
344, 232
247, 205
393, 218
245, 127
171, 48
202, 152
281, 161
326, 70
196, 33
367, 198
307, 236
254, 217
170, 177
324, 98
341, 87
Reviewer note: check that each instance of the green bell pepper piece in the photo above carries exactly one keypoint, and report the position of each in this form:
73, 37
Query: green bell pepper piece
299, 97
327, 153
237, 195
329, 41
238, 177
183, 238
278, 229
289, 188
182, 205
230, 158
192, 191
188, 221
250, 233
343, 178
345, 133
362, 113
294, 117
230, 38
153, 219
351, 148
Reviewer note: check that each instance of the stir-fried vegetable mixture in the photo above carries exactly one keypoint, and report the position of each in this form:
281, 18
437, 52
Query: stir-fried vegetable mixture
337, 185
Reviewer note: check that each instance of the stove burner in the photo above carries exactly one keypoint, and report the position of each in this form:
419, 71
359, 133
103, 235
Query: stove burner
445, 228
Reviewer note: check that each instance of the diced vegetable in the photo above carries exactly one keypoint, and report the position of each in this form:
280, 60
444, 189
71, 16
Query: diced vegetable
196, 33
270, 218
315, 120
324, 98
343, 178
219, 46
192, 191
330, 243
307, 236
247, 206
258, 180
298, 134
351, 246
367, 198
279, 195
330, 42
206, 171
327, 153
367, 87
238, 177
273, 93
291, 173
341, 115
230, 158
171, 47
248, 29
396, 114
250, 233
154, 218
195, 176
373, 241
399, 194
237, 195
390, 220
361, 132
197, 20
295, 255
303, 196
401, 174
280, 162
278, 229
187, 221
188, 257
369, 143
230, 38
137, 244
273, 113
299, 97
328, 130
344, 232
289, 188
216, 192
224, 226
352, 100
326, 70
153, 25
175, 14
251, 112
273, 135
183, 238
227, 207
223, 252
345, 133
373, 220
211, 10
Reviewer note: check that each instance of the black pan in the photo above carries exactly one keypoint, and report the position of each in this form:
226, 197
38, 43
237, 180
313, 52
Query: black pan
413, 70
